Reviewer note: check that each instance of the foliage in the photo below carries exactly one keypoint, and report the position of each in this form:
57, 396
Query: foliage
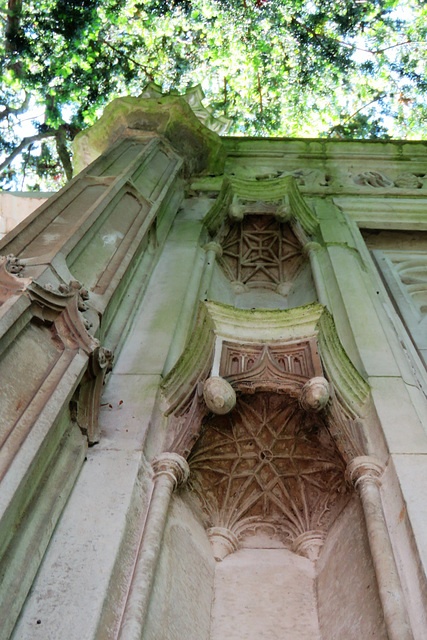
275, 67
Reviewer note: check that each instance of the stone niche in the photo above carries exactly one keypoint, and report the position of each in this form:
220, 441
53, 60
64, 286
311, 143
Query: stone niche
263, 260
286, 529
265, 406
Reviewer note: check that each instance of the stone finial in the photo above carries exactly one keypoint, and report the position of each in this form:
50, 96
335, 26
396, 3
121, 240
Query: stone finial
223, 542
365, 468
172, 465
315, 394
219, 395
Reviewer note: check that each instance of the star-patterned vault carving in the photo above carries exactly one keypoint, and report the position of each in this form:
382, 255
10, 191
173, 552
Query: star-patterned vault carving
261, 252
268, 466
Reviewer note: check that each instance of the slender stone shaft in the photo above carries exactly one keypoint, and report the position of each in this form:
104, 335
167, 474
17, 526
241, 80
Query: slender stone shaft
170, 470
312, 249
365, 472
213, 249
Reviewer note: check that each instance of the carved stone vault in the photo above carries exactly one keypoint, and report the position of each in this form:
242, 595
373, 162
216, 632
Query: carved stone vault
268, 468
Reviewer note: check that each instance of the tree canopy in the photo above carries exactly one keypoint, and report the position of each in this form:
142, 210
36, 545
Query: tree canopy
275, 67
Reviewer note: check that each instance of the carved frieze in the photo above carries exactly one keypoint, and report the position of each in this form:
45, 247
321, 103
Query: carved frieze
300, 359
269, 469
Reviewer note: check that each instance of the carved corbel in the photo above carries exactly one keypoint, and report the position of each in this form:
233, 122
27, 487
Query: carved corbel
89, 393
63, 306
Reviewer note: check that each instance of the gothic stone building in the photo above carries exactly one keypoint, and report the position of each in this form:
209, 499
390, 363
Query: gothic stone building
214, 390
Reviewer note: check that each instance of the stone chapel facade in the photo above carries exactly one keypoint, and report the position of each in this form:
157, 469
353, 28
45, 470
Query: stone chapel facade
214, 388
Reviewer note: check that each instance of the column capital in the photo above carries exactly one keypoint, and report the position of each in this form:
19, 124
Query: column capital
312, 247
365, 468
214, 246
172, 465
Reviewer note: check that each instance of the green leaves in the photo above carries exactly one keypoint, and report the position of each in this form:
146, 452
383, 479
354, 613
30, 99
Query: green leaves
291, 67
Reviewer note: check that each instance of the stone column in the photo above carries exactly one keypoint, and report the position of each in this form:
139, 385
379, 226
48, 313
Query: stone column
365, 472
170, 471
213, 249
312, 250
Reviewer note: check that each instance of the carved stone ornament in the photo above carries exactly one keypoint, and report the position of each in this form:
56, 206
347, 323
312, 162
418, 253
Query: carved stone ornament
281, 368
89, 393
373, 179
11, 280
223, 542
365, 468
219, 395
315, 394
269, 469
408, 181
277, 197
260, 252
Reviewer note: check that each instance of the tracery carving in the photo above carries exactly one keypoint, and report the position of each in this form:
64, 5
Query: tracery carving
300, 359
268, 468
261, 252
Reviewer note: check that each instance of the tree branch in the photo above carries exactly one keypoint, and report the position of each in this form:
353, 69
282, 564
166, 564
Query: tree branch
63, 154
147, 72
7, 111
260, 93
24, 144
361, 108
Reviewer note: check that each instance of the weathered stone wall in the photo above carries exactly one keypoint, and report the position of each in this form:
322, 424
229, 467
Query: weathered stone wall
347, 592
181, 600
